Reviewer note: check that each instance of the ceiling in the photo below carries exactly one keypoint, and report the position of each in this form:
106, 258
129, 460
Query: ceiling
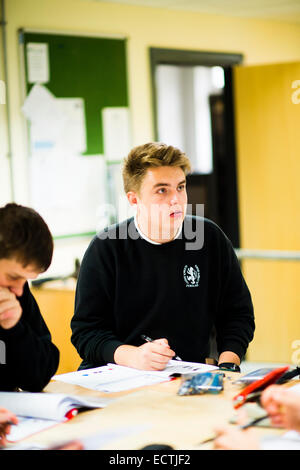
279, 10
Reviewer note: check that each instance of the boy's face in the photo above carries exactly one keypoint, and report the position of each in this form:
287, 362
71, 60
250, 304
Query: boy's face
13, 275
161, 202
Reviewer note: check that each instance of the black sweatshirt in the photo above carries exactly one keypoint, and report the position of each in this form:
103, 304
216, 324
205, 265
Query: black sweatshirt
31, 359
128, 287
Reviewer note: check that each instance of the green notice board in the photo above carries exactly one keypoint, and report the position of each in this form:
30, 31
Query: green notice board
93, 68
67, 182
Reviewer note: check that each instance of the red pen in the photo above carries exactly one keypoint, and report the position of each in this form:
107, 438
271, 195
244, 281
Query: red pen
258, 386
71, 413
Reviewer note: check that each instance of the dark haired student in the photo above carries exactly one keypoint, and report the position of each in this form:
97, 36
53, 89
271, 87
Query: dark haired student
28, 358
152, 275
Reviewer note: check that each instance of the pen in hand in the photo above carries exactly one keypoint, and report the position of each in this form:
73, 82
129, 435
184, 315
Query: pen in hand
149, 340
242, 427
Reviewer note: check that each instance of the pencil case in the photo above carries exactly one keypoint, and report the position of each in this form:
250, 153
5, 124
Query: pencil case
205, 382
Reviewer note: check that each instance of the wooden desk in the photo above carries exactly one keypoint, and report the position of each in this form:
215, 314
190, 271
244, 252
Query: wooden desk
179, 421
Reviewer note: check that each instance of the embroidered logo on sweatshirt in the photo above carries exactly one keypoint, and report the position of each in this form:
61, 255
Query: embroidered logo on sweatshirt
191, 275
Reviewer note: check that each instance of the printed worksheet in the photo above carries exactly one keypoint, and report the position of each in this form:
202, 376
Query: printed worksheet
115, 378
110, 378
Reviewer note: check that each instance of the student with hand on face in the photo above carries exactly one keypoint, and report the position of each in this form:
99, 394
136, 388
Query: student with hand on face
28, 357
283, 407
163, 274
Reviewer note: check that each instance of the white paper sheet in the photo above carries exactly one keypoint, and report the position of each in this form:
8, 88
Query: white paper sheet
183, 367
116, 133
114, 378
64, 186
73, 136
110, 378
29, 426
288, 441
46, 118
55, 123
37, 62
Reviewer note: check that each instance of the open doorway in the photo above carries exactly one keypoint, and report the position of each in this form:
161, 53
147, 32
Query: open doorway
193, 110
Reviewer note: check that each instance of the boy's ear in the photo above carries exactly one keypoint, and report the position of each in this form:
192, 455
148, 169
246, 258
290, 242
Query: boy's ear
132, 198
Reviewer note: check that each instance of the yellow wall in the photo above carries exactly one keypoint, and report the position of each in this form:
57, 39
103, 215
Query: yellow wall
268, 145
57, 306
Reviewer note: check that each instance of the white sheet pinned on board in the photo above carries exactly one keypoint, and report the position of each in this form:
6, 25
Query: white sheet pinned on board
47, 120
63, 186
73, 137
55, 122
116, 132
38, 62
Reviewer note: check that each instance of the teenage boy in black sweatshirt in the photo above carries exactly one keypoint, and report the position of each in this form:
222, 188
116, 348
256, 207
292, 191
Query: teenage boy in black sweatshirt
28, 358
162, 274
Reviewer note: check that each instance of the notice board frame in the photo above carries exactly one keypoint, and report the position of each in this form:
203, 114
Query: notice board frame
101, 83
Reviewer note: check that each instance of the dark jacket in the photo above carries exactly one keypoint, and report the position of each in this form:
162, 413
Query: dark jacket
31, 359
128, 287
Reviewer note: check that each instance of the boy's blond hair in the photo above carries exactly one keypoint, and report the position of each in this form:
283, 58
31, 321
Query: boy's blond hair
151, 155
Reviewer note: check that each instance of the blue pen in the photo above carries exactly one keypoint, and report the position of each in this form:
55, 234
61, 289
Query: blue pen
149, 340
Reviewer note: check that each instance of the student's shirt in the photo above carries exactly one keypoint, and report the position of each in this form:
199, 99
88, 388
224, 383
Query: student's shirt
28, 357
179, 290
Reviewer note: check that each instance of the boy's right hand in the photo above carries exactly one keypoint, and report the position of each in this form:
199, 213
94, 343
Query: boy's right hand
148, 356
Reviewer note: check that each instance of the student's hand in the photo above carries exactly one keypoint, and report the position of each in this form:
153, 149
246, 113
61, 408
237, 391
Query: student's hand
155, 355
233, 438
72, 445
148, 356
283, 407
10, 309
6, 417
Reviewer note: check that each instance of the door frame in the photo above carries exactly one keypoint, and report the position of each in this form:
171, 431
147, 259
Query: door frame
184, 57
159, 56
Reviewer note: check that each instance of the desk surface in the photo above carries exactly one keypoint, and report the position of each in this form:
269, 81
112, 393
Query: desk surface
156, 413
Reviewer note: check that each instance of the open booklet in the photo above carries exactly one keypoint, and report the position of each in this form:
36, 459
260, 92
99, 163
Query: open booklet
93, 441
38, 411
115, 378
